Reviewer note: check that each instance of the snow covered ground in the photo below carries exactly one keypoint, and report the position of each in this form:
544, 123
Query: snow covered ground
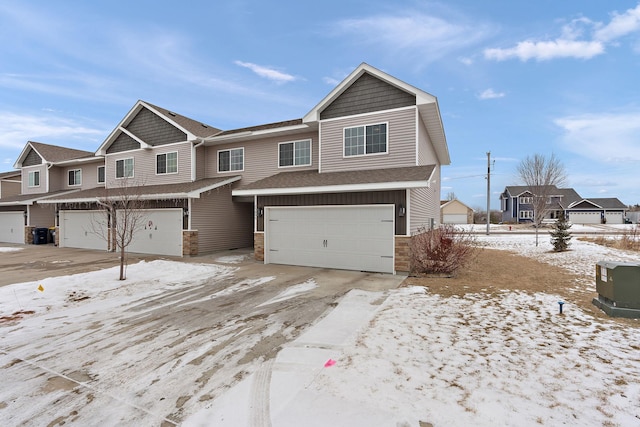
402, 358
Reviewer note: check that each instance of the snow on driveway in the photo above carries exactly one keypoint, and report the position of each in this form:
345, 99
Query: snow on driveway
411, 359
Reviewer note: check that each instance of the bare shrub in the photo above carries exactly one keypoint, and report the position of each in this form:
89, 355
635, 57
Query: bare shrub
630, 239
443, 250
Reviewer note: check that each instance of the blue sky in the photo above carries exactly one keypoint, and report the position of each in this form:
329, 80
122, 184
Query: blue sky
513, 78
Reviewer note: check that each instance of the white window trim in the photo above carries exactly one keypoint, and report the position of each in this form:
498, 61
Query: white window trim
164, 154
529, 214
344, 156
29, 179
74, 176
525, 200
133, 169
294, 153
229, 150
98, 174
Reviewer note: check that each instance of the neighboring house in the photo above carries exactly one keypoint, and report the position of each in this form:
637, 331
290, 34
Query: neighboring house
344, 186
10, 184
455, 212
516, 204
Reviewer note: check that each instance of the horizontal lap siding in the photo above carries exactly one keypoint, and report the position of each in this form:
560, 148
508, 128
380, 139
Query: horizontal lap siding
144, 165
260, 157
426, 153
89, 176
424, 205
42, 216
201, 166
221, 223
42, 188
57, 179
401, 144
9, 188
395, 197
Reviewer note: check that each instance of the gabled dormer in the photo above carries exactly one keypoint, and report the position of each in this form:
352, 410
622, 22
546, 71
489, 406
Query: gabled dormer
372, 120
154, 145
42, 166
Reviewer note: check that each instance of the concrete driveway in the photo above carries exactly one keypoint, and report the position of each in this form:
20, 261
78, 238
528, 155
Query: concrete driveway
152, 352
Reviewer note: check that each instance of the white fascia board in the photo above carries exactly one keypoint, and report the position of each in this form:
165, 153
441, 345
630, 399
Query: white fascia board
254, 134
348, 188
168, 120
130, 134
196, 193
79, 161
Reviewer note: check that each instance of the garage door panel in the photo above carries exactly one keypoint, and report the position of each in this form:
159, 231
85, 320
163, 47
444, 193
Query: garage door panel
83, 230
343, 237
12, 227
160, 233
454, 218
585, 217
614, 217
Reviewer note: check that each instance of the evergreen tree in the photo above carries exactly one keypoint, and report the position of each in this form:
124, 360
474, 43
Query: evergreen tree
560, 235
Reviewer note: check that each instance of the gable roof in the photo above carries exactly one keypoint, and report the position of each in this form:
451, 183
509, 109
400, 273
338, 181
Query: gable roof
598, 203
11, 174
51, 153
444, 203
427, 106
311, 181
192, 128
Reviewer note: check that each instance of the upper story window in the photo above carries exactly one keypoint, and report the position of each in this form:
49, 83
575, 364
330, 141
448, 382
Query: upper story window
167, 163
231, 160
526, 200
124, 168
34, 179
363, 140
296, 153
101, 174
75, 177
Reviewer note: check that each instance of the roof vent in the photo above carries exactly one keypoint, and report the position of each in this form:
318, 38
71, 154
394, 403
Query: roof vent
171, 113
204, 126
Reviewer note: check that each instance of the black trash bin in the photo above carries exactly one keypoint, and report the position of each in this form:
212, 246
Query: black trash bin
40, 236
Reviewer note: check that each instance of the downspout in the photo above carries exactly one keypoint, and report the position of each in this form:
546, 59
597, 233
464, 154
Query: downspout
49, 166
193, 157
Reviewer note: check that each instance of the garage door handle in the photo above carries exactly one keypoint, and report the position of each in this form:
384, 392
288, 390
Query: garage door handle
386, 220
386, 256
325, 243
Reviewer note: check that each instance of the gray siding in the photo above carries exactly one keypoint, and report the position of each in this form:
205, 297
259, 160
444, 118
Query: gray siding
395, 197
42, 215
221, 223
32, 158
201, 165
425, 205
122, 143
57, 179
426, 154
365, 95
89, 176
401, 144
43, 180
9, 188
144, 166
260, 157
154, 130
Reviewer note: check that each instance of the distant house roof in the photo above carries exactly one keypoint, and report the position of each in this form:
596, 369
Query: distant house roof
311, 181
598, 203
444, 203
29, 199
10, 174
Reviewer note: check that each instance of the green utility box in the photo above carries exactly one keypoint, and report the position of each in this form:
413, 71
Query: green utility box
618, 287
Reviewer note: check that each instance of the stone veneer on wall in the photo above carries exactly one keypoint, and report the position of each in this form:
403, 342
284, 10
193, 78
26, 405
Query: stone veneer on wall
189, 242
258, 246
403, 254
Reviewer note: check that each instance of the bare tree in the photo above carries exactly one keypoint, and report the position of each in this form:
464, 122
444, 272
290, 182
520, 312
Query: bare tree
122, 207
541, 175
451, 196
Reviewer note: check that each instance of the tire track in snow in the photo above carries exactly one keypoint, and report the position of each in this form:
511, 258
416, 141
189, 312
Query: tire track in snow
260, 396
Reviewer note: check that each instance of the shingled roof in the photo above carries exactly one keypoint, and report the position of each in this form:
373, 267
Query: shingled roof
196, 127
55, 153
303, 181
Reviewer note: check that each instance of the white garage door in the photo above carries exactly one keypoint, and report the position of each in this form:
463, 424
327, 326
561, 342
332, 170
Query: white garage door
83, 229
454, 218
584, 217
12, 227
159, 233
614, 217
343, 237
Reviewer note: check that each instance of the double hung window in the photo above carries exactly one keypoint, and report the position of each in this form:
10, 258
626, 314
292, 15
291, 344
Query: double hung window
124, 168
231, 160
167, 163
296, 153
363, 140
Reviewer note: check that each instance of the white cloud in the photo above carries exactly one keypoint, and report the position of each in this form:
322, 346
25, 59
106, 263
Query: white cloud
581, 38
331, 81
17, 129
266, 72
465, 60
620, 25
547, 50
491, 94
606, 137
428, 37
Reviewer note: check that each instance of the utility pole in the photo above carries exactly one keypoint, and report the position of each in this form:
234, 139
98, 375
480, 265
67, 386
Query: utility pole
488, 190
